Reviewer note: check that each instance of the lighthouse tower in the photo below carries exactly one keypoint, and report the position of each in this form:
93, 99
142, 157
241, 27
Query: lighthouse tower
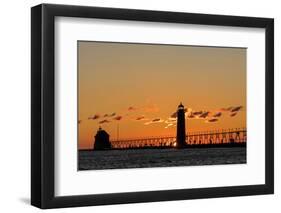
181, 127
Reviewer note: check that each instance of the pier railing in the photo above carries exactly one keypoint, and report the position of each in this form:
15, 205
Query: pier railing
223, 136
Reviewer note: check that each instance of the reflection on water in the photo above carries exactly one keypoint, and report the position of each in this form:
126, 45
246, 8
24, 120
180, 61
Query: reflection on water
143, 158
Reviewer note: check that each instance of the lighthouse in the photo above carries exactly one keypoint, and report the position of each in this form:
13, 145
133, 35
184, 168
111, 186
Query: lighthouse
102, 140
180, 127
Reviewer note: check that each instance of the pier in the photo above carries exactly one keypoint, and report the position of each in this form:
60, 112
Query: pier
215, 138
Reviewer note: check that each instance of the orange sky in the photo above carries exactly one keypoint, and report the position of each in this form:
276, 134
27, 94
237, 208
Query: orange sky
139, 86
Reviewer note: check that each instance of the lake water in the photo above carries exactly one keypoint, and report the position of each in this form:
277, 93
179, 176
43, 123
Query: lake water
143, 158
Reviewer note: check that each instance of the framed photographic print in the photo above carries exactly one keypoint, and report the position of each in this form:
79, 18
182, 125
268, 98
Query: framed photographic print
139, 106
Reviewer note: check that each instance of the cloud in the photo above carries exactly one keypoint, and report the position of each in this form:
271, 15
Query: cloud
169, 125
204, 114
212, 120
113, 114
187, 110
217, 114
131, 108
94, 117
171, 121
141, 118
211, 116
232, 109
226, 109
197, 112
174, 115
118, 118
104, 121
191, 115
236, 109
156, 120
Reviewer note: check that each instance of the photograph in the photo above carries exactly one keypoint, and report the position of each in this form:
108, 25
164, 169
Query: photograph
138, 105
143, 105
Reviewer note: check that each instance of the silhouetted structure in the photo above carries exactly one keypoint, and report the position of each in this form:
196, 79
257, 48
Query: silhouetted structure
102, 140
180, 127
235, 137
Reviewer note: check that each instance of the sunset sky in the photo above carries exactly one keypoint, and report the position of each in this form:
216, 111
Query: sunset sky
139, 86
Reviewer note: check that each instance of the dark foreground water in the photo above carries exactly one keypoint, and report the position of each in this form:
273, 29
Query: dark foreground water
141, 158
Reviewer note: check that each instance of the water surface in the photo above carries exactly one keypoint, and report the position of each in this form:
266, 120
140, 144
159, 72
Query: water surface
142, 158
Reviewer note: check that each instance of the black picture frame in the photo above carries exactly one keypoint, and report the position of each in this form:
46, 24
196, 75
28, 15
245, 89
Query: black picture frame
43, 102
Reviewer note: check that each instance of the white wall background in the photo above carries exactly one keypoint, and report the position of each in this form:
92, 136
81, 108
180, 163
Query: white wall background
15, 105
